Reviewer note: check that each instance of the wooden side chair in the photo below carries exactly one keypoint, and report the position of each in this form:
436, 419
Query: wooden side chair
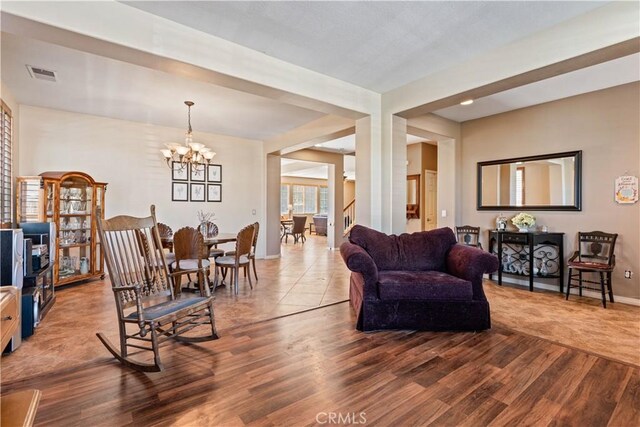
191, 257
240, 258
252, 255
209, 229
297, 230
594, 256
148, 312
468, 235
166, 237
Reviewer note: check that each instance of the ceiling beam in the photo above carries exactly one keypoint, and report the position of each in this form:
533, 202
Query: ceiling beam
609, 53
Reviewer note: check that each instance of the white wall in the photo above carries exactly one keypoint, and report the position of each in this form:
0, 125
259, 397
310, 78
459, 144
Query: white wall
125, 155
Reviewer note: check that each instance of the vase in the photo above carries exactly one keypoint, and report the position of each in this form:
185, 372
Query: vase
523, 229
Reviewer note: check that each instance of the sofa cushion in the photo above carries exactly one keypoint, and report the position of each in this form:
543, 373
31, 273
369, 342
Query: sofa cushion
424, 250
423, 285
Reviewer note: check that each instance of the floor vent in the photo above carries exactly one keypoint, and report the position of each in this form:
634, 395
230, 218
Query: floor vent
42, 74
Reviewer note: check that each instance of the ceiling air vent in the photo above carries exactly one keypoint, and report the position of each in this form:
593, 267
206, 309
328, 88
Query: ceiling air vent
41, 73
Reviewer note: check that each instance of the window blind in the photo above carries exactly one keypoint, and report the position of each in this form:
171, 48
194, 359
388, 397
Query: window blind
6, 173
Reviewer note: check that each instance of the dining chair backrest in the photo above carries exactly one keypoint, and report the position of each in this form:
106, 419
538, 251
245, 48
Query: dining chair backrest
188, 243
597, 247
468, 235
208, 229
244, 241
165, 232
256, 226
299, 223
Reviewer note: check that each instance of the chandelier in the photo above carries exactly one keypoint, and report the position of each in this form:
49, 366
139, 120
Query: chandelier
191, 153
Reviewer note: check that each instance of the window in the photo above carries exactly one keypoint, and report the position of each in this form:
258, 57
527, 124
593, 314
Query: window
519, 186
6, 174
304, 199
324, 200
284, 200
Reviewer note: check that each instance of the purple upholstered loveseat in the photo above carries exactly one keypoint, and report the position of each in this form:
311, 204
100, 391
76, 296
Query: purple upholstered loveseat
422, 281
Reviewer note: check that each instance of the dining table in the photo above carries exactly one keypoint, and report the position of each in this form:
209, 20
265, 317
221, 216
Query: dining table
209, 241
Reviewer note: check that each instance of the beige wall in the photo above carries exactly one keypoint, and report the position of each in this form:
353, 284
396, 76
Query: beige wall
126, 156
349, 188
605, 126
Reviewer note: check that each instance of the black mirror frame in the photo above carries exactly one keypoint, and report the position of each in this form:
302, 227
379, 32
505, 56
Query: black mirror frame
577, 205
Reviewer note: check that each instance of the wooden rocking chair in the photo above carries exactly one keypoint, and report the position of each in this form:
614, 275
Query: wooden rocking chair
140, 279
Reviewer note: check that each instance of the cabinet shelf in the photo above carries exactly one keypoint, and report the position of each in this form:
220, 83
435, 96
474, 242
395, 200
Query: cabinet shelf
73, 245
52, 195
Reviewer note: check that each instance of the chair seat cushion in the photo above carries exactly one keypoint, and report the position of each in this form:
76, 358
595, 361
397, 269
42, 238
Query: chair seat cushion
423, 285
231, 260
190, 264
170, 257
585, 265
167, 307
215, 252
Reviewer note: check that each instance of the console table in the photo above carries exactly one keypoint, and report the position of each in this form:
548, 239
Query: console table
532, 254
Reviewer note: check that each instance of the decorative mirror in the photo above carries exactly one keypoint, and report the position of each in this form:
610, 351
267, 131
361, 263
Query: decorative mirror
413, 196
551, 182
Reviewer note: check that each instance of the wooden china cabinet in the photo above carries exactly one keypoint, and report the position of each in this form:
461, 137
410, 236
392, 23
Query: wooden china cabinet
71, 201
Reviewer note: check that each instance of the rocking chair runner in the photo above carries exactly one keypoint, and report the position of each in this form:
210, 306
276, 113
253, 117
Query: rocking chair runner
138, 272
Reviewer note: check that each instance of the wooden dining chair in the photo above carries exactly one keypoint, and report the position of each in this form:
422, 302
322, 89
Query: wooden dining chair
594, 256
252, 255
297, 229
209, 229
468, 235
148, 312
191, 257
166, 237
240, 259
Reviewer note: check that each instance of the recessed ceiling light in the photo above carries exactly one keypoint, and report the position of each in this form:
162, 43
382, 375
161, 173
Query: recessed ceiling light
467, 102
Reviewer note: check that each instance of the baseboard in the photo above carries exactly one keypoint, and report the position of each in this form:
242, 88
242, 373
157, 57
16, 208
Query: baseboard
585, 292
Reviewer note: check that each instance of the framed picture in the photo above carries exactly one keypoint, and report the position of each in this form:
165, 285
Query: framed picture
179, 172
214, 193
180, 192
197, 192
197, 173
214, 173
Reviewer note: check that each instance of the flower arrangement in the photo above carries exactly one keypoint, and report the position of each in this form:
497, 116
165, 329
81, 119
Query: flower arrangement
523, 220
205, 216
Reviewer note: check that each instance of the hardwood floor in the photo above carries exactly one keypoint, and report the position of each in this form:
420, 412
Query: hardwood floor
307, 367
291, 370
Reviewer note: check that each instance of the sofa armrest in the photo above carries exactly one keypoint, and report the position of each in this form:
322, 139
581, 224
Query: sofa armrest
470, 263
358, 260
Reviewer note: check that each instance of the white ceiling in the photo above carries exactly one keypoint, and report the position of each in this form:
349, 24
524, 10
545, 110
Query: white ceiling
304, 169
346, 144
601, 76
92, 84
376, 45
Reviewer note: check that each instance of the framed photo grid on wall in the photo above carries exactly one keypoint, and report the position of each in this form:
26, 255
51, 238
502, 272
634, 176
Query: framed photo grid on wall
191, 183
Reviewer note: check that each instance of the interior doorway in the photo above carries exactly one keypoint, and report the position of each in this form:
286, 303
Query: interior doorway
430, 199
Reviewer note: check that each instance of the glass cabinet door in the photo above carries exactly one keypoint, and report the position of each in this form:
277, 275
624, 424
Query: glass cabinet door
74, 235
